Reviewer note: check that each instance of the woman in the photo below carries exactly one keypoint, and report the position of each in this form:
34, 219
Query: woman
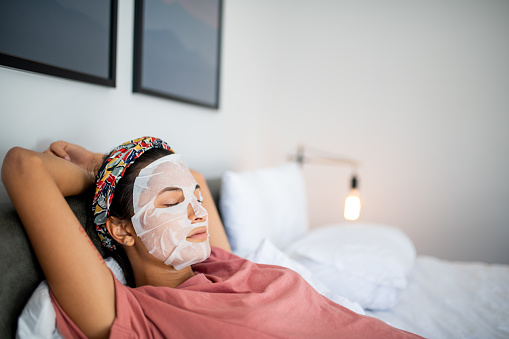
148, 205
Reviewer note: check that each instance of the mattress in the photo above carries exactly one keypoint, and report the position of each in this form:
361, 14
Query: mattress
445, 299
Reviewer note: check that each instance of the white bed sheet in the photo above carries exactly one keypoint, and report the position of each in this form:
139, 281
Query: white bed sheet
445, 299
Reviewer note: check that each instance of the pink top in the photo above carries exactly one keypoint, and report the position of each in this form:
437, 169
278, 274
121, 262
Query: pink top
230, 297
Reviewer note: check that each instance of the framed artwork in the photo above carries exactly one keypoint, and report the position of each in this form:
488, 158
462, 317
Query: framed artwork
73, 39
177, 50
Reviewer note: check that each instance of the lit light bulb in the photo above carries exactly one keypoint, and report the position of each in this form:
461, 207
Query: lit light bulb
353, 205
353, 202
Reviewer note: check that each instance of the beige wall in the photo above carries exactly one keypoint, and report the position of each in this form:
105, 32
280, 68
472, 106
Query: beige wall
416, 91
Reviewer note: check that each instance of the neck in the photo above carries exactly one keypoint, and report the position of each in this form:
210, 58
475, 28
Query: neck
161, 276
150, 271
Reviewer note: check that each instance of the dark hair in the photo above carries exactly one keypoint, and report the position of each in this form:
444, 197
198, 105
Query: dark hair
122, 203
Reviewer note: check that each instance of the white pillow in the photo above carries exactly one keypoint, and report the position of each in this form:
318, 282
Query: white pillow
38, 318
267, 253
267, 203
366, 263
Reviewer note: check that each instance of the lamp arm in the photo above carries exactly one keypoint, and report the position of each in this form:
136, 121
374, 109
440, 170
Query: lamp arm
302, 158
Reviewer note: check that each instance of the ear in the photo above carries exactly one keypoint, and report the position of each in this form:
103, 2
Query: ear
119, 231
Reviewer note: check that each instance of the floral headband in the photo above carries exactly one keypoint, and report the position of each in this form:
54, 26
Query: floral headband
112, 170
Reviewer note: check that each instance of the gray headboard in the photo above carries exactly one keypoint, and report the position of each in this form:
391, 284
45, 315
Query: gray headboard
20, 272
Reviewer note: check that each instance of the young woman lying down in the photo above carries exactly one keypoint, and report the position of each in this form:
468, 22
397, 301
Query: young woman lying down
150, 210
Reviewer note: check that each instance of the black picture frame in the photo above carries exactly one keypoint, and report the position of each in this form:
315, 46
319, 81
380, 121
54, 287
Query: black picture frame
52, 49
170, 62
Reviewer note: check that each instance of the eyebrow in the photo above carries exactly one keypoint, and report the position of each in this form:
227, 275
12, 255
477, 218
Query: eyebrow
170, 189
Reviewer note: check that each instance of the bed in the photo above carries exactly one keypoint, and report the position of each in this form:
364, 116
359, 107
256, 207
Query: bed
447, 299
370, 268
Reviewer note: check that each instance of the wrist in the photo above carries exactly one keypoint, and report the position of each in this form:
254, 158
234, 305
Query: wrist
96, 161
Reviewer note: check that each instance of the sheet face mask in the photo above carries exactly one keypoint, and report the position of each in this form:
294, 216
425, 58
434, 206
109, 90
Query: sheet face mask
164, 230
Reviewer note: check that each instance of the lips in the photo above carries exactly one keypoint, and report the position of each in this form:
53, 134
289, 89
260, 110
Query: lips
198, 234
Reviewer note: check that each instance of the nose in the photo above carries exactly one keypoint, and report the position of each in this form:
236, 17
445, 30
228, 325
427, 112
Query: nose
192, 215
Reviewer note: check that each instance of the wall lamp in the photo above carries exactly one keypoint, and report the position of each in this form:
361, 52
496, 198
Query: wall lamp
312, 155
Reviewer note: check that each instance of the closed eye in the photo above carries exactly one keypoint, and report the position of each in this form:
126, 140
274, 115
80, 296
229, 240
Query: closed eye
169, 197
171, 205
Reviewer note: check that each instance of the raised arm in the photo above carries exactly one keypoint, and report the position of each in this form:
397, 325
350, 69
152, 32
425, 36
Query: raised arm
76, 273
78, 155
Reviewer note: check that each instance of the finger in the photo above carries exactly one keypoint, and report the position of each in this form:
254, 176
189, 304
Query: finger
48, 151
57, 148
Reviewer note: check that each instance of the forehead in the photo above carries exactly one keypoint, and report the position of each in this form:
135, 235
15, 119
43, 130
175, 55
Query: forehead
168, 171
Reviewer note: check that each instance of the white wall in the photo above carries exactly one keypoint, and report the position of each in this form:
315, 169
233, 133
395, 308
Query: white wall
37, 109
417, 91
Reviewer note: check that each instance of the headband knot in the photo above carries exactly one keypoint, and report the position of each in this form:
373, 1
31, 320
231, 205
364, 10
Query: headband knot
112, 170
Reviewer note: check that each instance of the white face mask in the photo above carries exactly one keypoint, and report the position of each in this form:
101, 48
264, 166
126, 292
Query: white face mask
166, 231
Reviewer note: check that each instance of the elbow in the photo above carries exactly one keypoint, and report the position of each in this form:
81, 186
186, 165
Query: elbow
17, 161
11, 161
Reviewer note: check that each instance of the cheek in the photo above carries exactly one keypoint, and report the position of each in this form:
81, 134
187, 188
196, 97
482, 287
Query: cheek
162, 241
177, 227
156, 218
166, 225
